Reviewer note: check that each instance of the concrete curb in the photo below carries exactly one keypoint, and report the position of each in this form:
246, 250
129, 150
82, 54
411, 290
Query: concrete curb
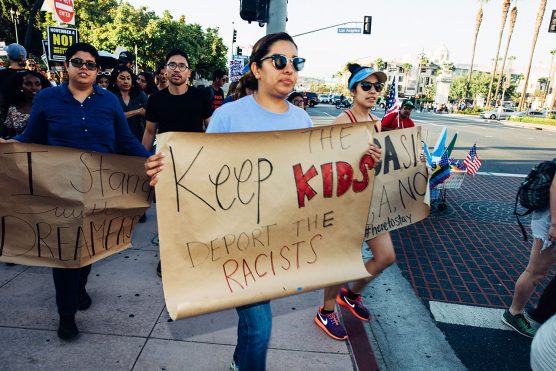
403, 334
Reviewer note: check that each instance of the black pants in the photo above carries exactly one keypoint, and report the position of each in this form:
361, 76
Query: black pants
547, 303
69, 284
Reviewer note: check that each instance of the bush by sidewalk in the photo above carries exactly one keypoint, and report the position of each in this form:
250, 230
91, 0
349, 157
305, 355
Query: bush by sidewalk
535, 120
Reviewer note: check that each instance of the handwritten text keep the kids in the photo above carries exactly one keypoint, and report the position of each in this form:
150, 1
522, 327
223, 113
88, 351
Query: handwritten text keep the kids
278, 239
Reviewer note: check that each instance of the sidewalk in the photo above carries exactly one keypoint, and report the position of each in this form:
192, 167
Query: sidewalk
128, 327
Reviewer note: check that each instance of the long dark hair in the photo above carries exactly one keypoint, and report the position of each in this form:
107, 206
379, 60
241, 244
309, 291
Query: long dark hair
135, 88
151, 86
15, 86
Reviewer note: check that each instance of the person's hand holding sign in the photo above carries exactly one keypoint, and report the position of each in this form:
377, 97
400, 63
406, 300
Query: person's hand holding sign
153, 166
375, 153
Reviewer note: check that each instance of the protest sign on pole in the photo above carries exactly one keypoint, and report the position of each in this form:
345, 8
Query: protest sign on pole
63, 207
246, 217
236, 68
59, 40
401, 189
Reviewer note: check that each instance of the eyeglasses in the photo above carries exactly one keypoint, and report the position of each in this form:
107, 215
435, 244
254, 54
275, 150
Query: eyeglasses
366, 86
78, 63
104, 73
180, 66
281, 61
298, 102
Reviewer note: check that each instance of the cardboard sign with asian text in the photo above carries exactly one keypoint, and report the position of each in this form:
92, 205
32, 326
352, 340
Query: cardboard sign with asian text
246, 217
63, 207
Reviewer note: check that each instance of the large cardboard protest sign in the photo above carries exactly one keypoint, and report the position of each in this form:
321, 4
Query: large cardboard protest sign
63, 207
248, 217
400, 192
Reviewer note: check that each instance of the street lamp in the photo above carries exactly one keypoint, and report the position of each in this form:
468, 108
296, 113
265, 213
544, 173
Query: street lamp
14, 15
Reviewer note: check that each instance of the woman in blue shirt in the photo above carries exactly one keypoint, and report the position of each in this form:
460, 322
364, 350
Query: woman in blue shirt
275, 65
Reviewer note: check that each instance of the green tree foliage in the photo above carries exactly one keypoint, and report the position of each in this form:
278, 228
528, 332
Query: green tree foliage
479, 85
108, 24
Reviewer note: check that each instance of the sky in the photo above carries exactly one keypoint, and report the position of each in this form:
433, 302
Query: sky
400, 29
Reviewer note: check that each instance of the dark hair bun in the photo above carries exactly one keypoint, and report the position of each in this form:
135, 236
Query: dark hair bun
352, 67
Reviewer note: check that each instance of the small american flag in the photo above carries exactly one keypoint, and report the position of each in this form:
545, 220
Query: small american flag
472, 162
392, 99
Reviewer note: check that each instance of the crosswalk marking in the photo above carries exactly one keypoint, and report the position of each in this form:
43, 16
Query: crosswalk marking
467, 315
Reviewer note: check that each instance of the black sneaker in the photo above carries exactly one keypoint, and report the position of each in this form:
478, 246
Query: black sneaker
159, 269
518, 323
67, 329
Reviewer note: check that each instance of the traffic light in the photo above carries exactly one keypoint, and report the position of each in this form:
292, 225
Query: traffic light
367, 21
235, 37
552, 24
254, 10
238, 51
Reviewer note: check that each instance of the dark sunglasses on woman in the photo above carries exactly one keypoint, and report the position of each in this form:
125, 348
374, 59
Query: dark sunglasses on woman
280, 61
366, 86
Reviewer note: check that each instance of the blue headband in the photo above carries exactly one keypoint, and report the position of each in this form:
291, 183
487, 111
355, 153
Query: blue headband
360, 75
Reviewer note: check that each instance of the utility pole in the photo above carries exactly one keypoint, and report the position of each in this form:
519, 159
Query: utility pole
277, 15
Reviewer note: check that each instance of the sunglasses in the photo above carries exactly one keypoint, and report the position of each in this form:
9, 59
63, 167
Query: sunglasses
297, 102
281, 61
366, 86
78, 63
104, 73
180, 66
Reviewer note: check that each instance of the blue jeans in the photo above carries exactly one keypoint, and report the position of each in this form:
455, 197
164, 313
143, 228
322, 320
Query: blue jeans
253, 335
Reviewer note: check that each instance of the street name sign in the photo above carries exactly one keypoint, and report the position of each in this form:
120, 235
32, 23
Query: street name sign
349, 30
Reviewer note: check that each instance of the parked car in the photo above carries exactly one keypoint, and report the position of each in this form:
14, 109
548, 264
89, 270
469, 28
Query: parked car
312, 98
543, 113
493, 114
324, 98
335, 98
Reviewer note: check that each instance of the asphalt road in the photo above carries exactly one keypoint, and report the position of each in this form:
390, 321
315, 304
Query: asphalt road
501, 148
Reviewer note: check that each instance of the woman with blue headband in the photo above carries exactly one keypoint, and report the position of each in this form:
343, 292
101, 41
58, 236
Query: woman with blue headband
365, 85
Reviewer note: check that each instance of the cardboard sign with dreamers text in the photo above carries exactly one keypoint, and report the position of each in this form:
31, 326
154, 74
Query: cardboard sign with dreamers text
63, 207
246, 217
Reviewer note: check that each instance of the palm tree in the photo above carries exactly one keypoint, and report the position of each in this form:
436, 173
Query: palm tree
513, 16
406, 69
540, 14
478, 21
379, 64
508, 81
505, 8
551, 79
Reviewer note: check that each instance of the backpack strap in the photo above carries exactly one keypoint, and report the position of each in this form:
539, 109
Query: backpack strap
517, 215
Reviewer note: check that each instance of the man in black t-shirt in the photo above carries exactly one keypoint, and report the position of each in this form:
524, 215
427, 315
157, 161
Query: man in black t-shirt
215, 91
179, 107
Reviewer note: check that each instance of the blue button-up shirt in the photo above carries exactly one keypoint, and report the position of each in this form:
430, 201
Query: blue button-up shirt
98, 124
